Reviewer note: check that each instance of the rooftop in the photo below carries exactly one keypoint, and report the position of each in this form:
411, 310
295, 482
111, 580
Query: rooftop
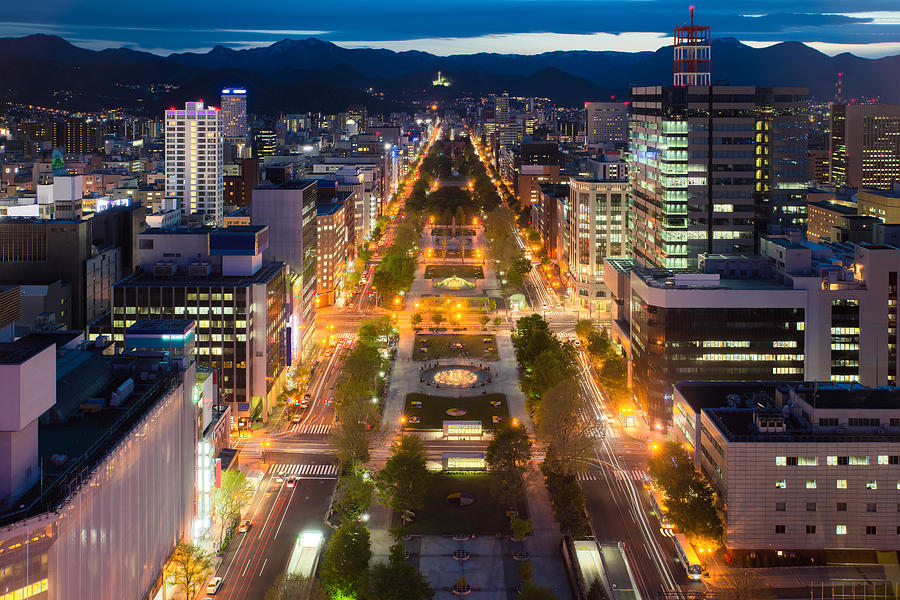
15, 353
178, 326
715, 394
737, 425
834, 207
181, 279
297, 184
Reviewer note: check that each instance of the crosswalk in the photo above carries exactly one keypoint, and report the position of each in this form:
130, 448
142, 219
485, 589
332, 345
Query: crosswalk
319, 471
304, 429
596, 475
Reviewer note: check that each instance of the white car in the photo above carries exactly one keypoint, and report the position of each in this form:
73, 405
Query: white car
214, 585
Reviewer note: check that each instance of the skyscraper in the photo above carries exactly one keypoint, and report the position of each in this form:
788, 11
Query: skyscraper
694, 191
692, 54
501, 108
865, 145
234, 112
194, 158
605, 122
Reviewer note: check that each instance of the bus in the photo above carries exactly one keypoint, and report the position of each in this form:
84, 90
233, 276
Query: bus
688, 557
658, 505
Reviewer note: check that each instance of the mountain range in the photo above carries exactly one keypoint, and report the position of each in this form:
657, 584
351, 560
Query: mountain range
316, 75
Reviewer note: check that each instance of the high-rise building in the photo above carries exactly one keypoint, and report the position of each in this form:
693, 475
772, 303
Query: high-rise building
713, 169
78, 135
501, 108
692, 54
194, 158
264, 142
605, 122
234, 113
596, 232
801, 311
289, 211
332, 255
865, 145
881, 204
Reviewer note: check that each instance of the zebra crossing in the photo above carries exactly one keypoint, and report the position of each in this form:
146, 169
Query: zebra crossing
597, 475
308, 471
304, 429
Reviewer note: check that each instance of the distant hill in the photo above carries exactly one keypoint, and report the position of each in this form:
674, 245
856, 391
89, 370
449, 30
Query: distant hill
311, 74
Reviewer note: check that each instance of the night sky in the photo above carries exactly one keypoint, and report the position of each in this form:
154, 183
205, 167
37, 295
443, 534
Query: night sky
868, 28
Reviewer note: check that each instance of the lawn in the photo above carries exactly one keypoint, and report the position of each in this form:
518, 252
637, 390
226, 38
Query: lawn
434, 410
485, 516
443, 346
448, 303
444, 271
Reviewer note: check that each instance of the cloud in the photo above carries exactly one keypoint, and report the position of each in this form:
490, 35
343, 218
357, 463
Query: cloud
521, 43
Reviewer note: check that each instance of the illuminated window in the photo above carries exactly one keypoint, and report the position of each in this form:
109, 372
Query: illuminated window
842, 484
840, 530
781, 483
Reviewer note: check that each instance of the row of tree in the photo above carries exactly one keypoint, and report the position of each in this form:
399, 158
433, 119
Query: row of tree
690, 498
611, 367
504, 248
397, 269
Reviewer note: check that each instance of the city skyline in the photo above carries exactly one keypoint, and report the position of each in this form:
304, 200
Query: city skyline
868, 29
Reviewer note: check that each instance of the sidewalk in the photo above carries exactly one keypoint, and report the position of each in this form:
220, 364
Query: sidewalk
544, 544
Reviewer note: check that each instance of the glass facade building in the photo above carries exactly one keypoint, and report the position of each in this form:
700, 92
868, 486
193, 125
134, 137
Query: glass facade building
713, 168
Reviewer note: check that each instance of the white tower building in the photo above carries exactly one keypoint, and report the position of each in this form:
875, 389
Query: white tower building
194, 157
234, 112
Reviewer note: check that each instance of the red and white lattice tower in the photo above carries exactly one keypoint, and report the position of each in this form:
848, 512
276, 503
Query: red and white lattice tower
692, 54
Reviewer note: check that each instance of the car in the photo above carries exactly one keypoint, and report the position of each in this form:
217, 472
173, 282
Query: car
214, 585
279, 477
307, 396
244, 527
304, 404
295, 419
291, 482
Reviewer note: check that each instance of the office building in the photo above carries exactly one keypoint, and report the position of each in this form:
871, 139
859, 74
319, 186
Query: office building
800, 311
87, 256
98, 481
545, 216
530, 180
194, 160
864, 146
242, 307
289, 211
501, 108
698, 192
234, 113
78, 135
605, 123
884, 205
596, 232
832, 222
333, 253
802, 468
265, 142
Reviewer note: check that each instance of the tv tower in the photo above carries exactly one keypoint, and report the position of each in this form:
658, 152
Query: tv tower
692, 54
839, 89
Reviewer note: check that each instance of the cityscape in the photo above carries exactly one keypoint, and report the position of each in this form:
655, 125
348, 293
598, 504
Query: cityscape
492, 302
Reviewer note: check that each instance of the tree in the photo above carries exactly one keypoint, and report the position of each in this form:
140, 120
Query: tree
356, 432
745, 584
559, 424
520, 527
531, 338
533, 591
484, 320
234, 493
296, 587
507, 457
346, 560
690, 498
584, 328
549, 368
353, 495
401, 483
497, 321
191, 566
372, 329
398, 580
415, 319
437, 318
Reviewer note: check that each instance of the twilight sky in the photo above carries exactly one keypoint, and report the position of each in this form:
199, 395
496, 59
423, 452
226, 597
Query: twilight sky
869, 28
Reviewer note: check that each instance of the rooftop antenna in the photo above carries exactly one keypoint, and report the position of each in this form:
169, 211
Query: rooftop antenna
839, 89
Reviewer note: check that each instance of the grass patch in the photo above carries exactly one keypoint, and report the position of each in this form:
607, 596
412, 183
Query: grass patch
445, 271
444, 346
447, 305
485, 516
433, 412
